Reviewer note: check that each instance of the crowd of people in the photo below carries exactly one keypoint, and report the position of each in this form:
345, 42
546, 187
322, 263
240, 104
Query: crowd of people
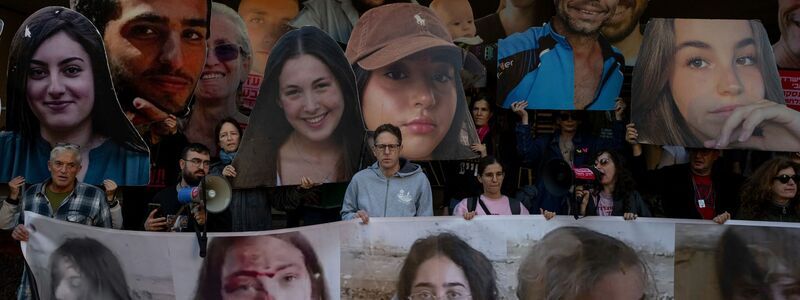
346, 112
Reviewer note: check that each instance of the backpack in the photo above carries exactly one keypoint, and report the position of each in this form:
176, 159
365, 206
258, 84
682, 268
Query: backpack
473, 201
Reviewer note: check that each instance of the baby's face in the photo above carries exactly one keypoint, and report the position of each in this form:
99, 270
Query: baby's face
457, 16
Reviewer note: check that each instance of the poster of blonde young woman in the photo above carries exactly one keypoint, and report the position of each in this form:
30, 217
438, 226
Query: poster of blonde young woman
711, 84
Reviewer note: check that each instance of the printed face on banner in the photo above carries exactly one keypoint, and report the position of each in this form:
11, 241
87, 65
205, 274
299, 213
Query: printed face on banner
226, 64
310, 120
722, 88
440, 277
265, 265
59, 81
267, 21
156, 50
749, 262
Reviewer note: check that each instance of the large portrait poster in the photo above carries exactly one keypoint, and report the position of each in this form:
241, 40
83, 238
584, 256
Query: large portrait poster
60, 91
307, 121
711, 84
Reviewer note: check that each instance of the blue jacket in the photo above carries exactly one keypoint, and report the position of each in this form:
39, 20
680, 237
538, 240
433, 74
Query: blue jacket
536, 152
537, 65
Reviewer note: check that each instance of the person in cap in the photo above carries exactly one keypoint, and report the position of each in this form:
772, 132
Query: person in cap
407, 69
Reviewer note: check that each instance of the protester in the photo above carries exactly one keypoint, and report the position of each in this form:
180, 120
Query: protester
62, 196
60, 91
443, 266
570, 142
491, 202
616, 194
701, 189
391, 187
770, 194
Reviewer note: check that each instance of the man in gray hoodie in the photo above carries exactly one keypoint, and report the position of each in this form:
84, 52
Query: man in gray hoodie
391, 187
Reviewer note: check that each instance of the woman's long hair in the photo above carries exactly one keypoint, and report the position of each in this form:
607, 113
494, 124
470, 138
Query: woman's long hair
652, 97
455, 144
624, 185
477, 268
757, 191
209, 283
108, 119
96, 264
269, 128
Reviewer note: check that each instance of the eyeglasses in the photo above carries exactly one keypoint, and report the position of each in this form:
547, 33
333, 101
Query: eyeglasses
785, 178
227, 52
450, 295
199, 162
391, 147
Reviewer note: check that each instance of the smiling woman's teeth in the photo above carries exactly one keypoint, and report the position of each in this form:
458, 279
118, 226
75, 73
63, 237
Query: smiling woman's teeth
211, 75
316, 119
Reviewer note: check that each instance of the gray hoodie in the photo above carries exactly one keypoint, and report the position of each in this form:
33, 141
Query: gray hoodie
406, 194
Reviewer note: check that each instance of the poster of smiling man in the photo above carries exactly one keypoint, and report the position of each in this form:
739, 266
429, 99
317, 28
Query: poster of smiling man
721, 88
60, 92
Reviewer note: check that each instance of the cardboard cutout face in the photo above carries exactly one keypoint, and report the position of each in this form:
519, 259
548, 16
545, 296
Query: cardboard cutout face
60, 91
722, 90
307, 123
156, 50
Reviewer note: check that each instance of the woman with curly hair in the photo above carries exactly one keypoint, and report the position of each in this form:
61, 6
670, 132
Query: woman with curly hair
770, 194
616, 195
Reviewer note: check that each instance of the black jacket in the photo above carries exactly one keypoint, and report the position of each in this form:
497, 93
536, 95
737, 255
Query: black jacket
673, 185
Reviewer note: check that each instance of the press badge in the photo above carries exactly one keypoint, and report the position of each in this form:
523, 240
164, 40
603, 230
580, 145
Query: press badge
701, 203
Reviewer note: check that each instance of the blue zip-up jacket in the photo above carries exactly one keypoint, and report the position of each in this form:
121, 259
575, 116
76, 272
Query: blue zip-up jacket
537, 66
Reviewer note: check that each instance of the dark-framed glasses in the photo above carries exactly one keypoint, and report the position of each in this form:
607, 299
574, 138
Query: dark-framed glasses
391, 147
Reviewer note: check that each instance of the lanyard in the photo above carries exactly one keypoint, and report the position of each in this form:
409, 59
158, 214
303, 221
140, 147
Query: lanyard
700, 198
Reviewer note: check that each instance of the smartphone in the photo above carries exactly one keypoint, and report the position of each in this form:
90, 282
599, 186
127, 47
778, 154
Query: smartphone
152, 206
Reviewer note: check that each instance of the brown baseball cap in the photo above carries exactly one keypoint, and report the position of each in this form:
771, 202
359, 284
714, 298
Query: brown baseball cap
388, 33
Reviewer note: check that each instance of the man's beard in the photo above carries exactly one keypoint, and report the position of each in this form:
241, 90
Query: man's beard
619, 34
191, 179
126, 93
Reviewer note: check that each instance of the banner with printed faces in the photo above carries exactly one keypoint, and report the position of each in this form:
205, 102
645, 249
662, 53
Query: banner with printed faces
747, 260
307, 123
60, 94
711, 84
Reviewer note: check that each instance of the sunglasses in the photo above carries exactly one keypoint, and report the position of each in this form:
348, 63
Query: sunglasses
227, 52
785, 178
567, 116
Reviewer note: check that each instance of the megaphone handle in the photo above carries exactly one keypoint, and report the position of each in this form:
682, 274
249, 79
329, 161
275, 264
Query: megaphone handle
203, 241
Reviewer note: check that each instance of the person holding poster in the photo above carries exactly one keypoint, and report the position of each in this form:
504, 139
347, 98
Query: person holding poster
156, 51
308, 123
280, 266
770, 194
62, 196
83, 268
492, 202
409, 195
443, 266
721, 88
408, 69
566, 64
60, 91
224, 73
572, 263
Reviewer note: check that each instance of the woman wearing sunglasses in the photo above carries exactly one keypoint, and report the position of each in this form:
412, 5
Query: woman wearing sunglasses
615, 195
569, 143
770, 194
227, 64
